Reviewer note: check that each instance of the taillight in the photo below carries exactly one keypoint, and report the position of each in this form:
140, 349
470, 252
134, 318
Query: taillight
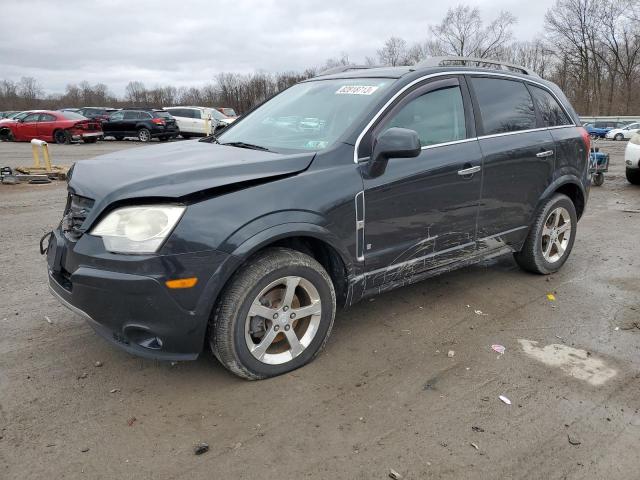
79, 126
586, 138
158, 121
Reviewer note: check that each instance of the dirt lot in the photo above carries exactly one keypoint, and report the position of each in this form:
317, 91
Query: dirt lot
384, 394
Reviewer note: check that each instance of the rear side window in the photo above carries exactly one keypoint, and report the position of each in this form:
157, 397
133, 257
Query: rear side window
437, 116
130, 115
550, 110
47, 117
505, 105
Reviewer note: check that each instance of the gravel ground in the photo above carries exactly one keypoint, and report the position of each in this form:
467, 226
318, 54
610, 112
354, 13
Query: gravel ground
385, 394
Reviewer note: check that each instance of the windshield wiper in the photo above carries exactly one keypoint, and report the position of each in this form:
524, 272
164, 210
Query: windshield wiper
247, 145
210, 139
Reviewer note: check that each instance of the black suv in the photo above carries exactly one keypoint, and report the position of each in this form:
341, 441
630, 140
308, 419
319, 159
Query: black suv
97, 113
142, 123
339, 188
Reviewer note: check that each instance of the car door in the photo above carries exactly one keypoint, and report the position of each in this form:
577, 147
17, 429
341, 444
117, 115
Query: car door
631, 130
519, 159
421, 212
27, 128
113, 126
46, 126
129, 122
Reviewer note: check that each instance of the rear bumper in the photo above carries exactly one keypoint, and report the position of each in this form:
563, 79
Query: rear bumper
127, 302
80, 135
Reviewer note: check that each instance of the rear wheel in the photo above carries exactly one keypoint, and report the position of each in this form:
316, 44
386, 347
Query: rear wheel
619, 137
274, 316
550, 238
144, 135
61, 137
633, 176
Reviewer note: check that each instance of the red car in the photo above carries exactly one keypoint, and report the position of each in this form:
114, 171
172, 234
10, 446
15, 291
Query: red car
50, 126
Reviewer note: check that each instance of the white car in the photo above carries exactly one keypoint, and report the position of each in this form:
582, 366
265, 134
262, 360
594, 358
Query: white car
623, 133
197, 121
632, 159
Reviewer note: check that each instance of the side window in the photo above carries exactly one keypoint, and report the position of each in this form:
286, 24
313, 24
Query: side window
193, 113
176, 112
551, 112
144, 116
505, 105
46, 117
32, 117
116, 116
437, 116
130, 115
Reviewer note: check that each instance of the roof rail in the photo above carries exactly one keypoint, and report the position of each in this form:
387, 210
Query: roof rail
343, 68
478, 62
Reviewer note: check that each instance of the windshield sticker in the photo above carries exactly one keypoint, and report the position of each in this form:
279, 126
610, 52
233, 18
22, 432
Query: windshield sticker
356, 90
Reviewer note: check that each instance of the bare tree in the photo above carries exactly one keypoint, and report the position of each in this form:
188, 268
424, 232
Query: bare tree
394, 52
462, 33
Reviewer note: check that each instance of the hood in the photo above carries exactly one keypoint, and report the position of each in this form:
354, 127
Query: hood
175, 170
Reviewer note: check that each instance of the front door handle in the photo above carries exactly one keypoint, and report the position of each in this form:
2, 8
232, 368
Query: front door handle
469, 171
548, 153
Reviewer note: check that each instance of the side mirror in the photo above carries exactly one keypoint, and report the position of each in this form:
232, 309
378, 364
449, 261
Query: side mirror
393, 143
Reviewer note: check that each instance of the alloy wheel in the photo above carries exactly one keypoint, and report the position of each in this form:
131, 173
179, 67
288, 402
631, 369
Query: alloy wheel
556, 234
283, 320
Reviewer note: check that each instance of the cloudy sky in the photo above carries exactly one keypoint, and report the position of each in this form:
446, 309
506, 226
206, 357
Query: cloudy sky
187, 42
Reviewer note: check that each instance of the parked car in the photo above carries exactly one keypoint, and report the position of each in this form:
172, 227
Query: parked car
195, 121
600, 129
74, 110
623, 133
249, 240
7, 114
50, 126
227, 112
98, 113
632, 159
14, 116
143, 124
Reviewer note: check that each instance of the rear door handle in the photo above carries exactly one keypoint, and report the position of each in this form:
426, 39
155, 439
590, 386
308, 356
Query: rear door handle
469, 171
548, 153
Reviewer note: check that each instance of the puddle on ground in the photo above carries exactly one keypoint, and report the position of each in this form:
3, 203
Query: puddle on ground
572, 361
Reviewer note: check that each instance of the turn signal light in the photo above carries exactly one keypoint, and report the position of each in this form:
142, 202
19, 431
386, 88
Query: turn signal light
182, 283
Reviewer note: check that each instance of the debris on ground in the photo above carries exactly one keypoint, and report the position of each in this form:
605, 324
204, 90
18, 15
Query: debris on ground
573, 440
237, 445
630, 210
479, 312
395, 475
82, 375
114, 390
85, 450
498, 348
131, 421
450, 353
551, 297
201, 448
48, 320
505, 399
97, 364
475, 446
477, 429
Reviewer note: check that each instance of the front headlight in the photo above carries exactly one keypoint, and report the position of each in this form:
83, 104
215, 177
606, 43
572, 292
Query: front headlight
138, 229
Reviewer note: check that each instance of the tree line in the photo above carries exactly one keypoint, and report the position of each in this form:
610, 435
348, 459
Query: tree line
590, 48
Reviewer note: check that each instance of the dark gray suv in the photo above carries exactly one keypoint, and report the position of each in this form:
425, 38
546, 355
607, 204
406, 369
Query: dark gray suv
343, 186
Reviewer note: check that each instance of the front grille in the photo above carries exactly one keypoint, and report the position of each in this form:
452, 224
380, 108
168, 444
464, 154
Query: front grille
75, 214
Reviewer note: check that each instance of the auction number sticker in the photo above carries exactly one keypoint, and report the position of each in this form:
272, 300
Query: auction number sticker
356, 90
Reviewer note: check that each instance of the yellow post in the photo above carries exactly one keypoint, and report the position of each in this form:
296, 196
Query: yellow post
45, 154
36, 154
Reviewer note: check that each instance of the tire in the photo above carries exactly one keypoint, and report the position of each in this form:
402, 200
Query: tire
532, 258
619, 137
90, 140
61, 137
6, 135
233, 330
598, 179
144, 135
633, 176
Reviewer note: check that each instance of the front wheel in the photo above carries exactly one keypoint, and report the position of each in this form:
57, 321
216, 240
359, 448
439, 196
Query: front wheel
274, 316
6, 135
633, 176
144, 135
619, 137
598, 179
550, 238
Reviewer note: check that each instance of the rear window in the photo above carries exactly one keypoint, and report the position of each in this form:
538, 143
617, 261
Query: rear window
552, 113
505, 105
73, 116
